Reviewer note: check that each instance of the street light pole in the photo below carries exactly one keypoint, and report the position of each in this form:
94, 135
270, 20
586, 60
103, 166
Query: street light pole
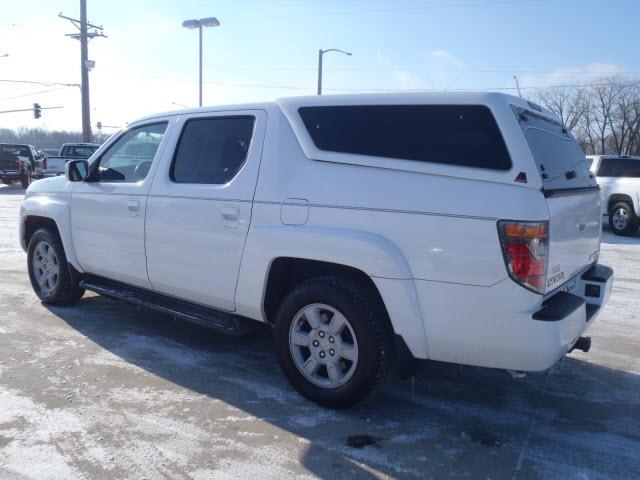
199, 23
320, 72
200, 64
320, 53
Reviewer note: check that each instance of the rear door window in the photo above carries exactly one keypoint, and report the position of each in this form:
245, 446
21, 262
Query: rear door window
461, 135
619, 167
212, 150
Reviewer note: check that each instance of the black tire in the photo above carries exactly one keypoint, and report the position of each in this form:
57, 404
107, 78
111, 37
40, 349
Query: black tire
617, 213
371, 329
66, 290
25, 178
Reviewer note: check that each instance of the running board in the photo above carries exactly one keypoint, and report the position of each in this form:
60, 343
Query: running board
192, 312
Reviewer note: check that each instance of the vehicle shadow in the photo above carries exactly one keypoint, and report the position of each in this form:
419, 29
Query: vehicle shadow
611, 238
11, 189
447, 421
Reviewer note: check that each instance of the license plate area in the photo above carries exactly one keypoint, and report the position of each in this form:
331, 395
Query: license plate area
571, 287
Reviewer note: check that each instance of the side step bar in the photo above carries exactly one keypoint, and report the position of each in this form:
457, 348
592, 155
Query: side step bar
192, 312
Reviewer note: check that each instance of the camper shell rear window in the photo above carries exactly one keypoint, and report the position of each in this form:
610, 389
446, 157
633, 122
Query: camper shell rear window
461, 135
560, 160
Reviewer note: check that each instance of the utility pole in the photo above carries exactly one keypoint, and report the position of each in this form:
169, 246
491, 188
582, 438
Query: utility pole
84, 57
85, 64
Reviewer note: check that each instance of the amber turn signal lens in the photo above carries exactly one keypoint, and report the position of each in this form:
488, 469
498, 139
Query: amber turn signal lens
520, 230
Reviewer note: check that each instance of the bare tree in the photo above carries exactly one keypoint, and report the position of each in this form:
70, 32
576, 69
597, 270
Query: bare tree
44, 139
568, 103
603, 116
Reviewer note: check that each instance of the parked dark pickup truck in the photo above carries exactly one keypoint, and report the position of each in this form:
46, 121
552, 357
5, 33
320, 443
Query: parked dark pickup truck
21, 163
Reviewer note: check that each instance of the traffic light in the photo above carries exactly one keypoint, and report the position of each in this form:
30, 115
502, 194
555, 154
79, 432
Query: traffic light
37, 111
99, 125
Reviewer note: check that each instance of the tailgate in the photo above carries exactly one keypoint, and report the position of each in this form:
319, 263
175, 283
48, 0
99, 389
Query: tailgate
56, 164
575, 226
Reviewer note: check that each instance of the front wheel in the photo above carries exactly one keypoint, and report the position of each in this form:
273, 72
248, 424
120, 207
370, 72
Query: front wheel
623, 219
49, 271
332, 347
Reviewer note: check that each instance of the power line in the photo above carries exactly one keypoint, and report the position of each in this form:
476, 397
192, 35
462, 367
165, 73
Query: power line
32, 94
46, 84
406, 9
450, 70
370, 90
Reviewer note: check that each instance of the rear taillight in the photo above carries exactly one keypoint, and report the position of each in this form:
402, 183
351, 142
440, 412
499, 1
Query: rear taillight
525, 246
18, 166
44, 163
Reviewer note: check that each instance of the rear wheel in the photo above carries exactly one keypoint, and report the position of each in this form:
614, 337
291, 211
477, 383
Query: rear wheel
25, 178
622, 219
49, 271
331, 346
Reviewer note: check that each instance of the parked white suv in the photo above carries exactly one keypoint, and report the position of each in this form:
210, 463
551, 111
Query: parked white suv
619, 180
365, 229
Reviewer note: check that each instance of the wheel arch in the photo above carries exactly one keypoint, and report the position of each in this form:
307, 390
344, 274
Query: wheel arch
40, 211
621, 197
286, 272
34, 222
275, 258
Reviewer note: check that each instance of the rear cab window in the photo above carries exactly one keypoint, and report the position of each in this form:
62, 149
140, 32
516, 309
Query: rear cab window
559, 159
80, 151
16, 150
619, 167
461, 135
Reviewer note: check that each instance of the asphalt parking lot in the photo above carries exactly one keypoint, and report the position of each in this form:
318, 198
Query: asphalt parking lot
103, 390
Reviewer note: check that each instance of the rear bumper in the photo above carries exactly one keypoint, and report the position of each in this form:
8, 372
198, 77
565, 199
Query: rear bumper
590, 293
506, 326
10, 173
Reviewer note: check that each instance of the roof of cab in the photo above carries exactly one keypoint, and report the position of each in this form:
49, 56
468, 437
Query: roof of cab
406, 98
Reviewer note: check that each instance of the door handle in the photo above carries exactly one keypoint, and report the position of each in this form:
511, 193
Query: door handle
230, 216
133, 205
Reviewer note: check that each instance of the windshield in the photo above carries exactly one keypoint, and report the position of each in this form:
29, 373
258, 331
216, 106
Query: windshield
17, 150
560, 160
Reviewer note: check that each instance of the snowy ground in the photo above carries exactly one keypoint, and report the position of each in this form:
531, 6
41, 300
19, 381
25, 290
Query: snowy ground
102, 390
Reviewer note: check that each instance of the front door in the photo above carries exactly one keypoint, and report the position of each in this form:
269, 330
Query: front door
199, 207
108, 210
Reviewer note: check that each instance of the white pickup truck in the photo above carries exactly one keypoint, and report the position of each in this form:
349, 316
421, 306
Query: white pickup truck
619, 180
69, 151
365, 229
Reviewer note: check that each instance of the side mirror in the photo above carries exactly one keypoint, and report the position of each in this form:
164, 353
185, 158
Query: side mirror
76, 170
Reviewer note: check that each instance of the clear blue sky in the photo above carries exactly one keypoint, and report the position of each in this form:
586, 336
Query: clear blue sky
268, 49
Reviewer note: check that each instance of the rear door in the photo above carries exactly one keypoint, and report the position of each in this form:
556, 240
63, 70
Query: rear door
108, 211
200, 204
572, 196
